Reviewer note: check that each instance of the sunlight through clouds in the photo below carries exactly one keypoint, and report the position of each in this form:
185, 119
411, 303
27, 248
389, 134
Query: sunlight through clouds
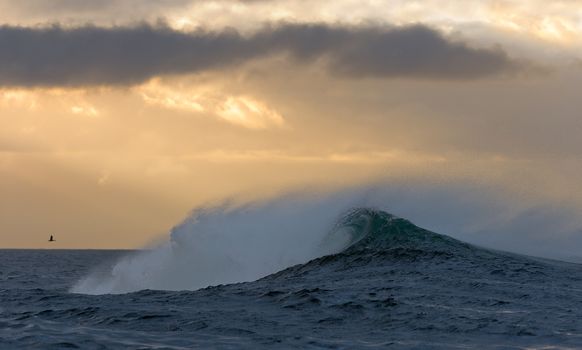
89, 111
244, 111
556, 24
65, 100
18, 98
249, 113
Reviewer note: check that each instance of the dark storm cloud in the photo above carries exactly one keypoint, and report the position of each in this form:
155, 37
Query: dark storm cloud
90, 55
414, 52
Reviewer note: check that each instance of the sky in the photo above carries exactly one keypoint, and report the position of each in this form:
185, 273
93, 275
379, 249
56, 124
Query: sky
119, 117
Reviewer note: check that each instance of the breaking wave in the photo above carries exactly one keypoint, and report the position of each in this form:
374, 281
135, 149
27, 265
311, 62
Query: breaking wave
230, 243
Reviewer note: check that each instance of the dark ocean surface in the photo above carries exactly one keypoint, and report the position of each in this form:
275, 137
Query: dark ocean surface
395, 286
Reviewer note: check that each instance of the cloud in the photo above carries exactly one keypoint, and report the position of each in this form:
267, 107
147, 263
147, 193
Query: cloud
405, 52
33, 7
89, 56
241, 110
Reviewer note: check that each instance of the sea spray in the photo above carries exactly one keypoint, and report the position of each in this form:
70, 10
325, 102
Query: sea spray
230, 243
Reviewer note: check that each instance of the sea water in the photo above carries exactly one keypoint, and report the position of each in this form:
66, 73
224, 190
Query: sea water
370, 280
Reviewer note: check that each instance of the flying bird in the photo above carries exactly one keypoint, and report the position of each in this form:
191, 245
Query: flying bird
51, 239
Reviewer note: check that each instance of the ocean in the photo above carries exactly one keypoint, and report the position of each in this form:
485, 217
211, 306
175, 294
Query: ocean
389, 284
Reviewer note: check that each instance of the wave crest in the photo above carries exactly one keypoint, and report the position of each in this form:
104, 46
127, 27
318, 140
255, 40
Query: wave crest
368, 228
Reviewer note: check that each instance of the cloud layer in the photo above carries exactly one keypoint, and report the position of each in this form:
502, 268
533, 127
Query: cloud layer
90, 55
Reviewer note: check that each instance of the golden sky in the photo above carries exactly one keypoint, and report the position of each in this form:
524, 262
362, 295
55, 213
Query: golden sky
118, 117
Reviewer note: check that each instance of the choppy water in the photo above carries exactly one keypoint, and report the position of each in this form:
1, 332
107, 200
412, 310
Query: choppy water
394, 286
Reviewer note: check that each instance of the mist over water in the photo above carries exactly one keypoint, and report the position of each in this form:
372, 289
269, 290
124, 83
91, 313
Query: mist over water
229, 243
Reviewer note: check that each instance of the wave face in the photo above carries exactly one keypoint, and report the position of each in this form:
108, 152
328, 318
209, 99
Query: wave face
376, 238
371, 229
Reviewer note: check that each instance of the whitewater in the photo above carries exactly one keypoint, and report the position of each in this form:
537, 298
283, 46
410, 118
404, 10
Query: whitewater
322, 272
